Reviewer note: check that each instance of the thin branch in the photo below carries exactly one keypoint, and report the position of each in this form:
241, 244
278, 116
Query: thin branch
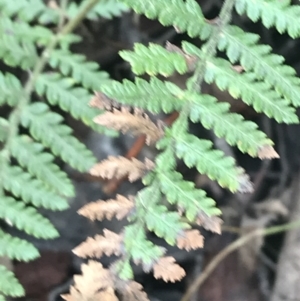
231, 248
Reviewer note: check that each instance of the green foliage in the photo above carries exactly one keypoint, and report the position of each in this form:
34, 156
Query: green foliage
279, 14
264, 82
166, 62
9, 284
16, 248
105, 9
30, 177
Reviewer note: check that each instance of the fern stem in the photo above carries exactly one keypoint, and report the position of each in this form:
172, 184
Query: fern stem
231, 248
15, 116
210, 48
63, 8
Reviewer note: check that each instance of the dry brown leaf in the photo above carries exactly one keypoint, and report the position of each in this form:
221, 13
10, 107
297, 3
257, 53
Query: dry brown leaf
102, 102
267, 152
168, 270
210, 223
131, 291
108, 244
119, 167
138, 123
191, 61
107, 209
190, 240
87, 286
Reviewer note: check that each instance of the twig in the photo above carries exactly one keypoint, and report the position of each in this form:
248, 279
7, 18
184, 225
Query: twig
112, 185
229, 249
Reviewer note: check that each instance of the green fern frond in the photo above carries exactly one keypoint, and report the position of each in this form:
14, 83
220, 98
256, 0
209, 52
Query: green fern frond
233, 127
159, 95
33, 191
16, 54
75, 65
123, 269
281, 14
60, 91
26, 10
45, 126
106, 9
198, 153
31, 155
140, 248
242, 47
9, 284
154, 60
258, 94
26, 218
186, 16
24, 33
16, 248
183, 193
158, 218
10, 89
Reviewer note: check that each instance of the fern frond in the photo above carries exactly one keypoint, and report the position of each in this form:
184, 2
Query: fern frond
242, 47
105, 9
75, 65
123, 269
26, 10
186, 16
190, 240
199, 153
17, 54
108, 244
92, 284
119, 208
33, 191
159, 96
4, 126
183, 193
210, 223
31, 155
27, 219
233, 127
60, 91
46, 127
10, 89
25, 33
140, 248
154, 60
133, 291
168, 270
159, 219
257, 94
281, 14
119, 167
137, 123
9, 284
16, 248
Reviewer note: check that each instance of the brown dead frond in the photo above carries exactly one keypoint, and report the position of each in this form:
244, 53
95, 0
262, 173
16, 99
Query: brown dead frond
191, 61
138, 123
95, 283
209, 223
119, 167
131, 291
102, 102
108, 244
267, 152
190, 240
168, 270
119, 208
